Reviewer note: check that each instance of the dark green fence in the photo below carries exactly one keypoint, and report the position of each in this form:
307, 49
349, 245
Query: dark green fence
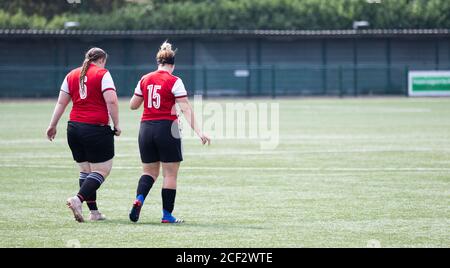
228, 80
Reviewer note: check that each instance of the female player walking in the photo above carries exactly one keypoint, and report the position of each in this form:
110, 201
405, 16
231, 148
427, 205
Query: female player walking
159, 136
90, 138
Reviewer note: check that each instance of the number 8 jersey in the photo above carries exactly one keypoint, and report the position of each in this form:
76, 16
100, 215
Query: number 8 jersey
159, 90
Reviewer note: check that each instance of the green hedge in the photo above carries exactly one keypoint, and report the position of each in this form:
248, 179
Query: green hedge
246, 14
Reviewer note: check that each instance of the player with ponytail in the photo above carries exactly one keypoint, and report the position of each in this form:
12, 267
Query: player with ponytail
90, 137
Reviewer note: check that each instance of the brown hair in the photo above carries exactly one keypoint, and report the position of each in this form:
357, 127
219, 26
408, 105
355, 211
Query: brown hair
92, 55
165, 54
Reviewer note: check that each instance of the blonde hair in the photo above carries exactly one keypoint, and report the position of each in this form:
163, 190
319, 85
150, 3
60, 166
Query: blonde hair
166, 55
92, 55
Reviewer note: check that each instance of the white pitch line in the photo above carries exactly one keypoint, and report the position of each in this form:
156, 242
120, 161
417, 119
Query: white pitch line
419, 169
300, 138
9, 156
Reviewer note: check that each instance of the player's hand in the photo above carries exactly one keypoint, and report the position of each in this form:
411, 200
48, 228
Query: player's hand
51, 133
117, 131
205, 139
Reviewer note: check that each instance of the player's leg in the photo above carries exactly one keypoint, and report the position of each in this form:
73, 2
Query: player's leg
101, 172
149, 176
98, 148
85, 169
79, 155
91, 201
150, 163
100, 152
93, 181
146, 181
169, 146
169, 191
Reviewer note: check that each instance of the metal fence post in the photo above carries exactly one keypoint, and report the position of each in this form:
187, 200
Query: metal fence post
324, 66
259, 70
193, 74
437, 52
194, 66
205, 82
258, 82
248, 83
340, 77
274, 94
407, 81
355, 67
57, 72
355, 80
389, 79
247, 79
389, 65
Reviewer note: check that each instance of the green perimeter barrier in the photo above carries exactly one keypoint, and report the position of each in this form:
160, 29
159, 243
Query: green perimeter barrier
227, 80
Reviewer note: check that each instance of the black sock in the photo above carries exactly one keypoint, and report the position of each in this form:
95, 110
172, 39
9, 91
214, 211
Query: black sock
91, 201
90, 185
83, 176
168, 199
92, 204
144, 186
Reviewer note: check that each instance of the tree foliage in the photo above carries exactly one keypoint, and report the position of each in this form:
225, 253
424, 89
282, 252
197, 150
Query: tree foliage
226, 14
48, 9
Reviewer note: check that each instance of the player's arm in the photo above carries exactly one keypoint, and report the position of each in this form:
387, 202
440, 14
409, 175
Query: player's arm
136, 102
138, 98
186, 109
112, 103
60, 107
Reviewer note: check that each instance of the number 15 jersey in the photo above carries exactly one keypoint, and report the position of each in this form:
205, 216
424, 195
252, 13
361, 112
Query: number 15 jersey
159, 90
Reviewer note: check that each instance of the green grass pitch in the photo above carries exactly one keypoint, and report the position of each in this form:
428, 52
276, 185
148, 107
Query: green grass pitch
346, 172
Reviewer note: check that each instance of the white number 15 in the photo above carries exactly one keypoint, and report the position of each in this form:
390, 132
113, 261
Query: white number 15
154, 99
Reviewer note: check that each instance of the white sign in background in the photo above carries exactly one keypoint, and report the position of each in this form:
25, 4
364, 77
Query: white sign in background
425, 75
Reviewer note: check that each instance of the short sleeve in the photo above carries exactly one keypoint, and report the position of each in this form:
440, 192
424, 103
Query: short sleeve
107, 82
65, 86
178, 89
138, 90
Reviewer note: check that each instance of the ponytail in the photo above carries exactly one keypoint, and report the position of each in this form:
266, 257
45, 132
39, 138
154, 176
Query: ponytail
83, 72
93, 54
166, 55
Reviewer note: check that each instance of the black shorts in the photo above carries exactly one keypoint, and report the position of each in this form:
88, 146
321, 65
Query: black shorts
160, 140
90, 143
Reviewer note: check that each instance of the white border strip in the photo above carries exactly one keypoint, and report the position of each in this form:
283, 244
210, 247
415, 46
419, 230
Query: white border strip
403, 169
412, 74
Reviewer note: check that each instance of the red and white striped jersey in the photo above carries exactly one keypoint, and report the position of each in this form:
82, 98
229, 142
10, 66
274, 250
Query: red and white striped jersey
89, 106
159, 90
